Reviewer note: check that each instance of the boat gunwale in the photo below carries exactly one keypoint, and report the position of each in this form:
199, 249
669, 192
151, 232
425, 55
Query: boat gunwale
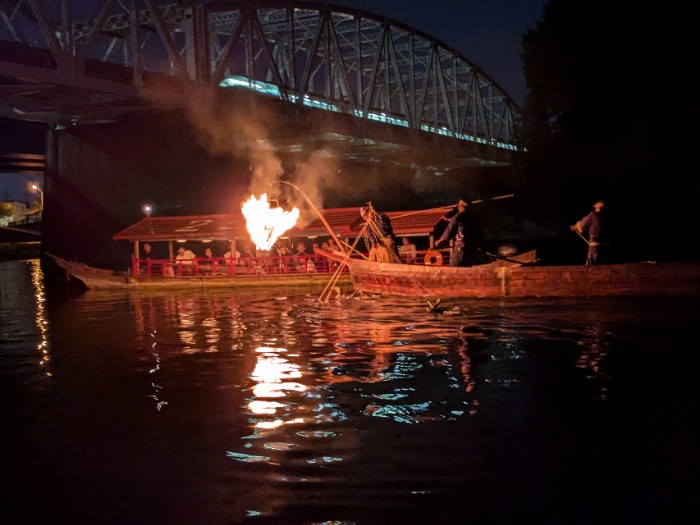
503, 280
102, 278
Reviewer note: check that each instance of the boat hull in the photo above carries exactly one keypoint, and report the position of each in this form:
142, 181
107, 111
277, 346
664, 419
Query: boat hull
643, 279
101, 279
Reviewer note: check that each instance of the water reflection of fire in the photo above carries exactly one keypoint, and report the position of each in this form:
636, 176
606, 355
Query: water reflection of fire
266, 223
273, 374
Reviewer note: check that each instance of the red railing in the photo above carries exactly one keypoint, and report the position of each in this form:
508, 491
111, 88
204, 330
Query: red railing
202, 266
263, 265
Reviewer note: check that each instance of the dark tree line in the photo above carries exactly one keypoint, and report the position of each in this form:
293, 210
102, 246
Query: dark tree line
612, 114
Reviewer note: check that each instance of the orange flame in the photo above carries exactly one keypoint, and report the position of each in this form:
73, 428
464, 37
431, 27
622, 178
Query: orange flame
266, 224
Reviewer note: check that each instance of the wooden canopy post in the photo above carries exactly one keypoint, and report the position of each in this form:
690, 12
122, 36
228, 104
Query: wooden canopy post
135, 259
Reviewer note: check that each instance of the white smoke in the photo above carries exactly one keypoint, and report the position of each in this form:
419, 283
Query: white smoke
244, 130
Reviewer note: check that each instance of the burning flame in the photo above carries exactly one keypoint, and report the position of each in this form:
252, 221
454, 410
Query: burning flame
266, 224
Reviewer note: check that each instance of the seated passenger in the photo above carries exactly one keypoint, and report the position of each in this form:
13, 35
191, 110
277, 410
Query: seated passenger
298, 262
263, 258
146, 266
248, 258
281, 252
230, 260
208, 264
184, 259
185, 256
407, 250
310, 266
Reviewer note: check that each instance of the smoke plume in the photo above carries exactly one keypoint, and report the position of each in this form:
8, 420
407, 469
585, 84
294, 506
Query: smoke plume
244, 130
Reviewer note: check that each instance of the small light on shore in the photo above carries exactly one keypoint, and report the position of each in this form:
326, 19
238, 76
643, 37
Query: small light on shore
35, 187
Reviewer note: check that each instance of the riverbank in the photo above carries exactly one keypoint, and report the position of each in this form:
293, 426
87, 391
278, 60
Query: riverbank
19, 250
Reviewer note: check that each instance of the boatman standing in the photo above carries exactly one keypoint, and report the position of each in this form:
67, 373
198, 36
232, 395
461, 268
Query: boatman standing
594, 224
466, 235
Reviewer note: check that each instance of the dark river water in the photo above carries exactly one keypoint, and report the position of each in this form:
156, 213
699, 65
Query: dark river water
220, 407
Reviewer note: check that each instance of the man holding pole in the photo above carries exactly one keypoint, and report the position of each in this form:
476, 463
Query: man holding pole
466, 235
594, 224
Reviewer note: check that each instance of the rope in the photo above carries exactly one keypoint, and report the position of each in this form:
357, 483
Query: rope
330, 286
372, 222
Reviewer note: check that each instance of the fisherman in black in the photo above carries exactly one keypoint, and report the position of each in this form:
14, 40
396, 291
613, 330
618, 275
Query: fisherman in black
467, 237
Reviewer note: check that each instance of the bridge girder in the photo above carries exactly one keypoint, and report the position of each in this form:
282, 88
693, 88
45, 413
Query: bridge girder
60, 63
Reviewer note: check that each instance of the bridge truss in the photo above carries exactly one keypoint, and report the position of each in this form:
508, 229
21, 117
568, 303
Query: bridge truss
61, 62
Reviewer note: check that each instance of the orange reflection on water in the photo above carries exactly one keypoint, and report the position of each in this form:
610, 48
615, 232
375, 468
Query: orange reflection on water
272, 374
40, 319
264, 407
201, 323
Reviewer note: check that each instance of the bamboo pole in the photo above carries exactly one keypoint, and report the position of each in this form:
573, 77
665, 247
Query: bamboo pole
582, 237
320, 215
449, 207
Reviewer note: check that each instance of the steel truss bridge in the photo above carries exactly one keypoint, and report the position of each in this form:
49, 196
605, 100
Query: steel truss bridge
67, 64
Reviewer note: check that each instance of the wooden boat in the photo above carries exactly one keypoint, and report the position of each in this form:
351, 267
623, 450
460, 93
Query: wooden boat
167, 273
517, 278
98, 278
514, 276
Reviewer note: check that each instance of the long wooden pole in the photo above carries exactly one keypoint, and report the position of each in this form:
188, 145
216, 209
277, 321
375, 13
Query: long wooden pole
582, 237
320, 215
446, 208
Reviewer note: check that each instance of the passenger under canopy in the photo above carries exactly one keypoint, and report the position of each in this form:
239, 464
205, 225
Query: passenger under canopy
230, 229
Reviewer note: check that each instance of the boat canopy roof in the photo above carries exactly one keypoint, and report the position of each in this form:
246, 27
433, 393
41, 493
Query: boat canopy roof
226, 227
